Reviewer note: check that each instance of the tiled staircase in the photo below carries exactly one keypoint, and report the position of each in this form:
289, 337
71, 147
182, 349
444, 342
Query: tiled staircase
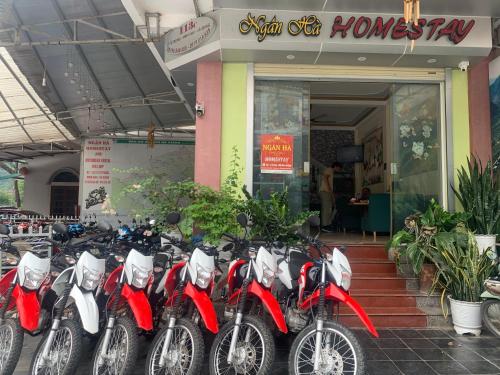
389, 299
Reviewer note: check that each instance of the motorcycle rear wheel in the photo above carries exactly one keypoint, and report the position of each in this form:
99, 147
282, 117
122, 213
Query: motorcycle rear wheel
490, 311
64, 353
122, 350
345, 356
11, 344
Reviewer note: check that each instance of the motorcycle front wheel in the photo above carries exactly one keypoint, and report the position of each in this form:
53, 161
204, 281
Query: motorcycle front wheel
11, 343
490, 311
185, 353
122, 351
341, 352
254, 353
64, 353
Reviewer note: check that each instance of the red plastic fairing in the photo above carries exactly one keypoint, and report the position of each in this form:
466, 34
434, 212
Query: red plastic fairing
28, 307
5, 282
267, 298
303, 279
140, 306
231, 275
334, 292
112, 280
202, 302
171, 280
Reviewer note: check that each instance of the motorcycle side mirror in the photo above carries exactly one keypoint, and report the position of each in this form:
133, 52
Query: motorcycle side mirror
173, 218
242, 219
104, 226
314, 221
4, 230
59, 228
152, 222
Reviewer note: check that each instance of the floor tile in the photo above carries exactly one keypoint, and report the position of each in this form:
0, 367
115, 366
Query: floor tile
401, 354
418, 343
433, 333
481, 367
462, 354
385, 334
382, 368
448, 367
432, 354
488, 353
390, 343
473, 342
375, 354
407, 333
446, 343
414, 368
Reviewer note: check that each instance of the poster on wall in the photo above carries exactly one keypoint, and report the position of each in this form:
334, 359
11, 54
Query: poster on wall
495, 113
97, 165
373, 165
276, 153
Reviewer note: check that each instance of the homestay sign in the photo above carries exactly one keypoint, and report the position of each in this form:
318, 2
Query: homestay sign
455, 29
276, 153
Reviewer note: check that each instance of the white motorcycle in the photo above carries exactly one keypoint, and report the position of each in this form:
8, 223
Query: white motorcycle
60, 349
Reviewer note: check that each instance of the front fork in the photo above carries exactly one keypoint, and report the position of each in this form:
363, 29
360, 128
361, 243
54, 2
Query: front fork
320, 319
239, 315
173, 319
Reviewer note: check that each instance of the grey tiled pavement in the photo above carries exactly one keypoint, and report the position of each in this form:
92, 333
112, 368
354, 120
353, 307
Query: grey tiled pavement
405, 351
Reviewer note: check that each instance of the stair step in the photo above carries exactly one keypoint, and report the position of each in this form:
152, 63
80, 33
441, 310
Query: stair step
384, 281
374, 252
364, 266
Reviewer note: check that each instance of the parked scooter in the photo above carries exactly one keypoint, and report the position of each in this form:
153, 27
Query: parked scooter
117, 349
22, 290
490, 308
74, 309
245, 344
323, 346
178, 348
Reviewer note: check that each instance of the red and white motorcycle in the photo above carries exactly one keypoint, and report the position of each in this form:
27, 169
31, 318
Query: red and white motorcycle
22, 289
312, 290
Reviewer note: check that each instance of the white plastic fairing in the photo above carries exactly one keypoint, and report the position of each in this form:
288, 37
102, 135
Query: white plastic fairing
31, 264
91, 264
338, 265
264, 259
199, 258
61, 280
87, 309
138, 265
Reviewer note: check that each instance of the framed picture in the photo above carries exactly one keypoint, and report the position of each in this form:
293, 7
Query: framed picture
373, 164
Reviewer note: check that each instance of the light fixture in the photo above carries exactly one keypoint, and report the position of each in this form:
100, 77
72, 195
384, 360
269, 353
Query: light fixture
290, 57
362, 58
66, 74
432, 61
82, 86
70, 64
84, 98
44, 78
78, 92
190, 84
72, 81
152, 25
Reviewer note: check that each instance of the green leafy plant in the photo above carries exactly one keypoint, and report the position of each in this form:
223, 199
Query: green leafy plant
272, 219
479, 194
425, 231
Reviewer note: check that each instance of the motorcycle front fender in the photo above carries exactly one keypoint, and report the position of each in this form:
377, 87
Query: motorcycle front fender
87, 309
333, 292
139, 304
28, 307
204, 306
268, 300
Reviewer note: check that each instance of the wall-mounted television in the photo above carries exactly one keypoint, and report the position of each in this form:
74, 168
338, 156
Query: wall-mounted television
350, 154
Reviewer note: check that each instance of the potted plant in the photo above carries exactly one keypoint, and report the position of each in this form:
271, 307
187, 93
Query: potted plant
479, 194
462, 271
420, 237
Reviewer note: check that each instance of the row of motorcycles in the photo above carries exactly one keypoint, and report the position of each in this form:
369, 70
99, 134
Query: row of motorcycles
113, 286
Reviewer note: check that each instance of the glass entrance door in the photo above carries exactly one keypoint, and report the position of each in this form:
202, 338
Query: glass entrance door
416, 165
281, 140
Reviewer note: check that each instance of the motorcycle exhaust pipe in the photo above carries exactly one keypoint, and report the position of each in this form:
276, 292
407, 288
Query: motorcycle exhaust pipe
317, 350
168, 339
107, 337
234, 338
50, 339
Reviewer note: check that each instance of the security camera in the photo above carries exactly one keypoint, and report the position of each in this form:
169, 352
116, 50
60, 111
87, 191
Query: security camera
463, 65
200, 109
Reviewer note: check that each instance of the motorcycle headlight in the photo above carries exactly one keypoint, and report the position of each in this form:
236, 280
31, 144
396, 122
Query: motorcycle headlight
268, 277
91, 279
203, 277
140, 277
69, 260
33, 279
346, 279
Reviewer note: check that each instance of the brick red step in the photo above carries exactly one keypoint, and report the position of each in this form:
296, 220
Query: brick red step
366, 252
384, 298
383, 317
377, 281
372, 266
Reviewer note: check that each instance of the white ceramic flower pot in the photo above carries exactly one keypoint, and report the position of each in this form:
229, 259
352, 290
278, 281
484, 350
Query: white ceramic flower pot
466, 317
485, 241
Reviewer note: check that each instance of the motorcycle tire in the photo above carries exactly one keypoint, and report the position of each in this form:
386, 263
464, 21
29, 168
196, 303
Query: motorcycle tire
14, 337
126, 326
75, 333
197, 344
305, 342
223, 340
492, 324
